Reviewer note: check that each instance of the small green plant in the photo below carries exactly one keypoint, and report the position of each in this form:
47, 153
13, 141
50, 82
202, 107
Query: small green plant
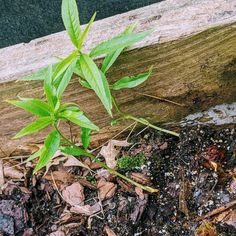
56, 77
131, 163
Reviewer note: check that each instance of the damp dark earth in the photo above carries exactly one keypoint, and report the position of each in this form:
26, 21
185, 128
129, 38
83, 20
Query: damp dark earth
195, 175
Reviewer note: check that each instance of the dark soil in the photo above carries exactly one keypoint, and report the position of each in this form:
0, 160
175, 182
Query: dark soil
194, 176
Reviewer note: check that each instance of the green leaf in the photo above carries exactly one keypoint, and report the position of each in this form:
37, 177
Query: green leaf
34, 127
63, 65
111, 57
49, 89
97, 81
40, 74
77, 69
65, 80
85, 137
78, 118
34, 106
131, 82
84, 84
70, 17
84, 34
35, 155
74, 151
118, 42
51, 145
70, 107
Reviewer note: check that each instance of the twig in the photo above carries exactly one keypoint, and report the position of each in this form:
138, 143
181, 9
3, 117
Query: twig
219, 210
113, 137
54, 182
162, 99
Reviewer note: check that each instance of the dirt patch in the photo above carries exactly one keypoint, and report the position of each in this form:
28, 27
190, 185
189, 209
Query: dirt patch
195, 175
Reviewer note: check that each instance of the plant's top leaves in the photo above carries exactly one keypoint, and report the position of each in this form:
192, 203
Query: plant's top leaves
118, 42
70, 17
111, 57
131, 82
51, 145
34, 127
84, 34
96, 80
34, 106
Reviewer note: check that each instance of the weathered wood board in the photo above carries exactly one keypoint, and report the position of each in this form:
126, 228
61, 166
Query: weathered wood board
196, 69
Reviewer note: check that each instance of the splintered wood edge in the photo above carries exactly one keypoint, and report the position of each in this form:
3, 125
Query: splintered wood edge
170, 19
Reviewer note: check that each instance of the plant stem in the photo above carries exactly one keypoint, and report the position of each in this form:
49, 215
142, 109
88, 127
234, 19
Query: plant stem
140, 120
112, 171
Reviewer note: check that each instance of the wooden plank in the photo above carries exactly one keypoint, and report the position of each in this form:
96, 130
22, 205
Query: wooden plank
198, 70
171, 20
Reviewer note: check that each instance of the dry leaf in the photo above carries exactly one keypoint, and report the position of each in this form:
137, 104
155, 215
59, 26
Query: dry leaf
110, 151
227, 217
106, 189
73, 161
140, 193
87, 209
206, 229
139, 208
57, 233
74, 194
55, 160
109, 231
60, 176
232, 186
12, 172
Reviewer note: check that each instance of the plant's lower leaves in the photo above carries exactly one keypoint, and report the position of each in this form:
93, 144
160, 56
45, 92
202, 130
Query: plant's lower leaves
97, 81
131, 82
74, 151
35, 155
40, 74
34, 127
51, 145
34, 106
78, 118
85, 137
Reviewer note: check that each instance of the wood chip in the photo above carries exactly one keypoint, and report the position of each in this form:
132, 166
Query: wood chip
73, 161
140, 178
109, 231
106, 189
74, 194
12, 172
86, 209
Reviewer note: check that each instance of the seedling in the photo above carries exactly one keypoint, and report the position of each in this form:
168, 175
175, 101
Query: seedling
56, 78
